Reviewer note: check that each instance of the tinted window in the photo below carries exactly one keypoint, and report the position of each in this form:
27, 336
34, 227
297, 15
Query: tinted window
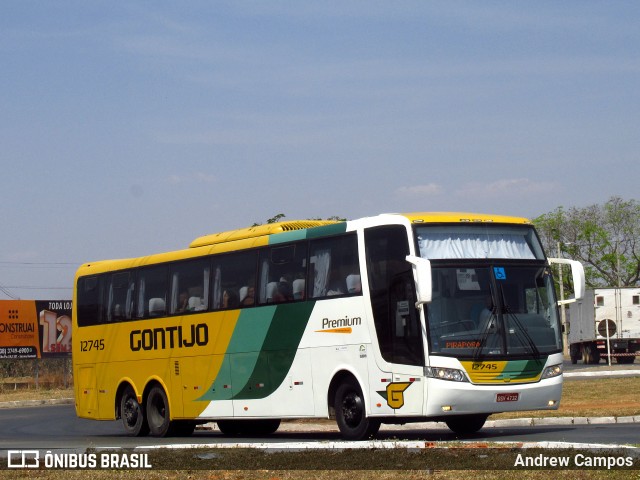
152, 292
120, 297
234, 280
393, 295
89, 308
334, 267
190, 286
280, 267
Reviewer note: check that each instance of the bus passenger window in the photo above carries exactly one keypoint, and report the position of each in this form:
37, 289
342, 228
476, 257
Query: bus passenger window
234, 280
120, 297
190, 286
90, 305
280, 267
152, 292
334, 267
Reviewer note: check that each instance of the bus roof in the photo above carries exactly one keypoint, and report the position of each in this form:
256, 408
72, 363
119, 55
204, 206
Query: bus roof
291, 225
462, 217
258, 231
243, 238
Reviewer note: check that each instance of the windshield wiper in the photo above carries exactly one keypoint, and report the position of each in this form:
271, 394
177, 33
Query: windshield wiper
521, 332
491, 324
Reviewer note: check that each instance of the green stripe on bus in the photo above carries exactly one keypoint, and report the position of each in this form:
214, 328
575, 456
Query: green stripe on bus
327, 230
251, 329
278, 351
287, 237
242, 353
261, 351
303, 234
522, 369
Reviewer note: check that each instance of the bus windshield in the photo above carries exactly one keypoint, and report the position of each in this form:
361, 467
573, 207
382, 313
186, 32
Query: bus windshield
485, 240
493, 295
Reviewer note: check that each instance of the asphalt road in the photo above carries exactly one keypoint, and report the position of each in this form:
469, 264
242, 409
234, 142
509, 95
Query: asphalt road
58, 427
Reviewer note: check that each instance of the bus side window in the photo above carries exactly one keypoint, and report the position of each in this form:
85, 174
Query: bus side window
280, 267
152, 292
90, 304
334, 267
120, 297
233, 279
190, 286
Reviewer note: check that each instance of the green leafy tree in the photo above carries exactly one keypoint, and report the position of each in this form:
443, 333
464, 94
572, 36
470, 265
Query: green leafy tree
603, 237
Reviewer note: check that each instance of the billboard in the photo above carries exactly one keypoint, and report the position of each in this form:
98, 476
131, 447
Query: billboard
35, 328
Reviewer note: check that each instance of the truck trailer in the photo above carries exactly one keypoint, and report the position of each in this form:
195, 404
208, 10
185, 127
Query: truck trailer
605, 324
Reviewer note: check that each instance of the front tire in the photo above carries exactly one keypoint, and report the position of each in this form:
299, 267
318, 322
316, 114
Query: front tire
158, 415
351, 415
132, 414
466, 424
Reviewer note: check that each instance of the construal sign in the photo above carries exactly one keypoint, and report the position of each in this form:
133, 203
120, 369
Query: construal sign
35, 328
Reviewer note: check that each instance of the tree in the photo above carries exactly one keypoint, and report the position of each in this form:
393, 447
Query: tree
603, 237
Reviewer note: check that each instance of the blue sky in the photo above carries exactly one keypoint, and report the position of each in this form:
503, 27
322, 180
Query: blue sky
129, 128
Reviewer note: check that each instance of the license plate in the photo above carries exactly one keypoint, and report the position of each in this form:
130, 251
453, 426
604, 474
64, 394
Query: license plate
507, 397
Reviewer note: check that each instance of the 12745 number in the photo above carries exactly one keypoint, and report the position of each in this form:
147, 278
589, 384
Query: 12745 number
88, 345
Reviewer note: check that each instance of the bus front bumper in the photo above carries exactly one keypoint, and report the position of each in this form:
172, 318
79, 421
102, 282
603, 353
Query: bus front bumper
445, 398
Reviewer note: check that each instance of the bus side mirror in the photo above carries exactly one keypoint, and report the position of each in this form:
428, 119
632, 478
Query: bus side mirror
422, 273
577, 273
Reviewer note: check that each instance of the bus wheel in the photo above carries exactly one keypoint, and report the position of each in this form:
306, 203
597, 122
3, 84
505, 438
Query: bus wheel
158, 412
263, 427
351, 415
466, 424
229, 427
132, 414
182, 428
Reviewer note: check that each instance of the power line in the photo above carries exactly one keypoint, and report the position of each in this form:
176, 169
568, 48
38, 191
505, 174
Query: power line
27, 287
8, 293
38, 265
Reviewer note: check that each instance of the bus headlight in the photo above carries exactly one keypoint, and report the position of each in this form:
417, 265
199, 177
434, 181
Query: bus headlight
552, 371
450, 374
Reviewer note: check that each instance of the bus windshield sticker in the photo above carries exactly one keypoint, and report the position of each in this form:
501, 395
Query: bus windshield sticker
499, 273
467, 279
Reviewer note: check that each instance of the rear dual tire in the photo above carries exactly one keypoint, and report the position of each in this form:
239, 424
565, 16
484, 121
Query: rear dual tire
153, 418
132, 414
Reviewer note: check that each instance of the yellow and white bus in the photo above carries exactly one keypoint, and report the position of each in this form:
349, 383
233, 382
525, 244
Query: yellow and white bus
389, 319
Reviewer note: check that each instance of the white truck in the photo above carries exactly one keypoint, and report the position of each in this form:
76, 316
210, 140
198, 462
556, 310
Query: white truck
605, 324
